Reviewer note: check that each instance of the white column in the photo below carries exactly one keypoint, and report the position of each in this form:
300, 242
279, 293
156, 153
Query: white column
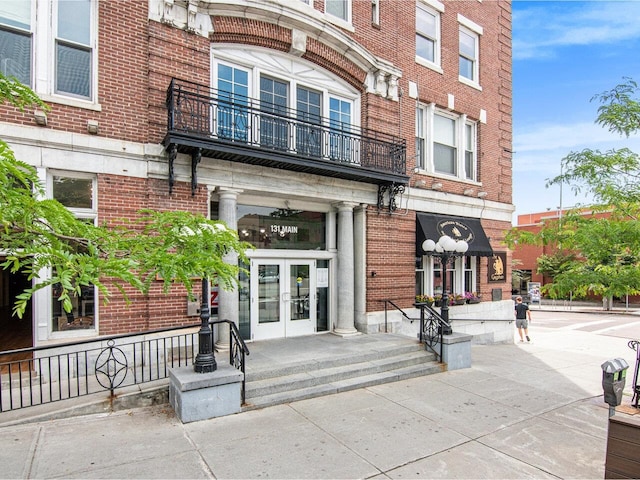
227, 299
346, 311
360, 265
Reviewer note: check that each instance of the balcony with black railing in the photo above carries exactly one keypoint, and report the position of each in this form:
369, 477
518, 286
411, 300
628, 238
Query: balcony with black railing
205, 122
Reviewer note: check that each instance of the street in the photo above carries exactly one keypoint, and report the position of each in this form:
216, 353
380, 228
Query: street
614, 324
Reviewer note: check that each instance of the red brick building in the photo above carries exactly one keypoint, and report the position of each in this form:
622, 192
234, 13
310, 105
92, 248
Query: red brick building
334, 135
525, 257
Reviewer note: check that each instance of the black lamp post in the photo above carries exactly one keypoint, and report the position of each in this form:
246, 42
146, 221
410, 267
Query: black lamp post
446, 249
205, 359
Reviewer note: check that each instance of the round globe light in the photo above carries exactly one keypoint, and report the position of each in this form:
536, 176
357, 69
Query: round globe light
428, 245
462, 246
443, 240
439, 248
450, 245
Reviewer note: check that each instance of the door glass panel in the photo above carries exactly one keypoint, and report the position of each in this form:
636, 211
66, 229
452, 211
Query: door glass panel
244, 310
274, 129
268, 293
299, 282
322, 295
308, 136
233, 90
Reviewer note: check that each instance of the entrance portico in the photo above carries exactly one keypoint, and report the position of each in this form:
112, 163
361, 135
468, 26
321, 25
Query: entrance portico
301, 274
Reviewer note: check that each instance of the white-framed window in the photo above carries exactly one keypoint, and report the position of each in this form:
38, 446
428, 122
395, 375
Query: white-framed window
281, 97
339, 8
469, 51
446, 143
16, 39
77, 192
461, 275
50, 45
427, 34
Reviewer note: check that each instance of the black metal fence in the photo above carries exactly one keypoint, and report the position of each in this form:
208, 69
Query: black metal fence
227, 117
64, 371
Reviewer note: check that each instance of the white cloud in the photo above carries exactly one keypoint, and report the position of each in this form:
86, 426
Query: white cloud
541, 28
540, 148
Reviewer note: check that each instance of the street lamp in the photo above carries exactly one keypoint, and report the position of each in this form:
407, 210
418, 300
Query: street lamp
446, 248
205, 359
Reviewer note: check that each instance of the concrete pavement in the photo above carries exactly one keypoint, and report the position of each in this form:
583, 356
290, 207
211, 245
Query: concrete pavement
521, 411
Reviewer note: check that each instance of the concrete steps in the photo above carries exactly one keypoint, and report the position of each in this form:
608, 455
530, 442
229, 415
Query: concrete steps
312, 378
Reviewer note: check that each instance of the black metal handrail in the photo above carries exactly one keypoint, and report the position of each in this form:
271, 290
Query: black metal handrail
432, 328
222, 117
76, 369
432, 325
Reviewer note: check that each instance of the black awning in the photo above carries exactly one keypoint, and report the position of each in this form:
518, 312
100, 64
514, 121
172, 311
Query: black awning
459, 228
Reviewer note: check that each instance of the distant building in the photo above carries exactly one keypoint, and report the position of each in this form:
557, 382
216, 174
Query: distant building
335, 136
525, 257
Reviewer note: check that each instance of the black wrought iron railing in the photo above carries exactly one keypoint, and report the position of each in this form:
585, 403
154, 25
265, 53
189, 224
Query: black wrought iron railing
232, 119
432, 326
59, 372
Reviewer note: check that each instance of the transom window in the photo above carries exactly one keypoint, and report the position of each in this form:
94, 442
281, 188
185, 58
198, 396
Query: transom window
49, 45
446, 143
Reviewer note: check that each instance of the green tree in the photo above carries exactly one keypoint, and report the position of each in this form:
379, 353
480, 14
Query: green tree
40, 235
607, 246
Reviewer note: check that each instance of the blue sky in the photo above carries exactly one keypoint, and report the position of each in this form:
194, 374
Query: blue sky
564, 53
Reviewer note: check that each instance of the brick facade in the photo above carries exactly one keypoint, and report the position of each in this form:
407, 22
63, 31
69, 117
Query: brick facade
138, 56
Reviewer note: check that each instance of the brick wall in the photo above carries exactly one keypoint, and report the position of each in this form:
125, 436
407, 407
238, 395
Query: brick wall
391, 246
139, 312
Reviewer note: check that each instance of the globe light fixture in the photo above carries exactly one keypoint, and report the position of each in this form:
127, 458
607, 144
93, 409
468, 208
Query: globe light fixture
446, 248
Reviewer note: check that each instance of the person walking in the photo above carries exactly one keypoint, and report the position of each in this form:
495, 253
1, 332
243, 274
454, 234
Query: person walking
523, 317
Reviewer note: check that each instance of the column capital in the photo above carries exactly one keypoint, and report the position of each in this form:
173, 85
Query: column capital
228, 193
344, 206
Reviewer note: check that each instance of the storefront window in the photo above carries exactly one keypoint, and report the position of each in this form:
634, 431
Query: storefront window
77, 193
461, 275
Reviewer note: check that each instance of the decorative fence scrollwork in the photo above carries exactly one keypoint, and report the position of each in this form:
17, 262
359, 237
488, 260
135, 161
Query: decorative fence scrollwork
111, 364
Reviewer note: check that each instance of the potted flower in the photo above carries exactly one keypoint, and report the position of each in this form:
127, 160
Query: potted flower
437, 300
459, 299
472, 297
424, 299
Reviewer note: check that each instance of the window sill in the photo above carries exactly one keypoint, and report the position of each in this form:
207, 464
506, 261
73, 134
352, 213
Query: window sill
430, 65
339, 22
452, 178
71, 102
470, 83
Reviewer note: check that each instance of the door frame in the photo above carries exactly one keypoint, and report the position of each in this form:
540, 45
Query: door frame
282, 292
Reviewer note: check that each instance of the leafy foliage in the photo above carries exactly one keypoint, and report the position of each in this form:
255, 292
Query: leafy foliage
42, 239
598, 251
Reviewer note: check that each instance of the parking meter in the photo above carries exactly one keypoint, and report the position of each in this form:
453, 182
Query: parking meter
613, 379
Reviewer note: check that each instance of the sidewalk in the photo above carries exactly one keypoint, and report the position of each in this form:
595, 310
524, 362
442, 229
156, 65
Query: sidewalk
585, 307
521, 411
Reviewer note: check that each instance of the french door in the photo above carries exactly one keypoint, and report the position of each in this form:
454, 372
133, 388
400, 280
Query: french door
283, 298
